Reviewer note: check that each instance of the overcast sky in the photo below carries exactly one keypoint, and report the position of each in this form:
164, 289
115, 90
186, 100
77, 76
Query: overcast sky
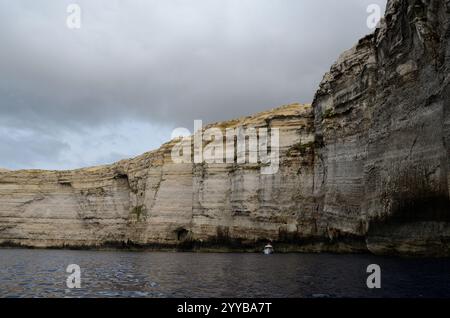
137, 69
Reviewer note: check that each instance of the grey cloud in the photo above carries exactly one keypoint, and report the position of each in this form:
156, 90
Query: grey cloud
165, 62
24, 150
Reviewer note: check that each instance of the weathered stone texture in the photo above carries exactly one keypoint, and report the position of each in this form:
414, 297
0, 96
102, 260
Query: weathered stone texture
367, 166
383, 114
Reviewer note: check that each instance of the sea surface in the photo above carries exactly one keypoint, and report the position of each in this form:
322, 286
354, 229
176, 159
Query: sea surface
42, 273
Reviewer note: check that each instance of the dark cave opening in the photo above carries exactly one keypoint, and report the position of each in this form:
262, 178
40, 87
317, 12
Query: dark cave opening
182, 234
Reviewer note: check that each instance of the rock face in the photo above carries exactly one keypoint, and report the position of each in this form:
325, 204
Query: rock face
366, 167
150, 200
382, 115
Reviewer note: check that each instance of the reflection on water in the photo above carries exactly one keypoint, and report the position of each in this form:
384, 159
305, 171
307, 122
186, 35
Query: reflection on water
41, 273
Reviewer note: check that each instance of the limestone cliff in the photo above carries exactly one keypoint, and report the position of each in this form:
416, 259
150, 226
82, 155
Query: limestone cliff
151, 200
366, 167
382, 117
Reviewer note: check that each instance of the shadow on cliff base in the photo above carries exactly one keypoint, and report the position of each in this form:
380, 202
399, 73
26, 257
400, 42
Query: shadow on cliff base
415, 227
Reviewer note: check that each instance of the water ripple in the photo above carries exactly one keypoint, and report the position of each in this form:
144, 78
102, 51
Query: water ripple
42, 273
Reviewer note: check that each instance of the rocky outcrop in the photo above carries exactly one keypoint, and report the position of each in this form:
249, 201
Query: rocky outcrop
382, 115
366, 167
151, 200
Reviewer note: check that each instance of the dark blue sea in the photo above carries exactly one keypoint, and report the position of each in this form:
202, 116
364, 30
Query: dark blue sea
42, 273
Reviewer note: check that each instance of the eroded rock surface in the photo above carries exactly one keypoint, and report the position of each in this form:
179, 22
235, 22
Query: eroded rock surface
367, 166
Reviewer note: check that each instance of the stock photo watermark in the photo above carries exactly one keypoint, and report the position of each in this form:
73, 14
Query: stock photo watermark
374, 17
73, 20
374, 279
74, 279
238, 145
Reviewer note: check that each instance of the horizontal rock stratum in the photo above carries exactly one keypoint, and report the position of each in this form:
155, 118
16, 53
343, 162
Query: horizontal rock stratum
365, 167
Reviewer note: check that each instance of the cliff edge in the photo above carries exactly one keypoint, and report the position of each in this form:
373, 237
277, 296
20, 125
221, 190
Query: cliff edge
366, 167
